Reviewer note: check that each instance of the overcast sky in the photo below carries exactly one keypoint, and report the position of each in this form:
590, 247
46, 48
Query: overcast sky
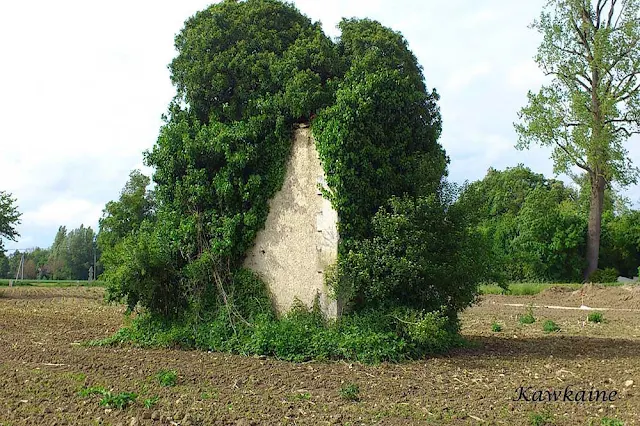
84, 84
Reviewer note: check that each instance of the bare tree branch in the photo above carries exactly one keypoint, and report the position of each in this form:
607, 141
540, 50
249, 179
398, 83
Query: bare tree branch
578, 162
610, 19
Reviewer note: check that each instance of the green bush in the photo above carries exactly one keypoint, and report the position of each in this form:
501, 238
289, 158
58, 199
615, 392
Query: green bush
549, 326
422, 256
528, 317
595, 317
409, 259
495, 327
603, 276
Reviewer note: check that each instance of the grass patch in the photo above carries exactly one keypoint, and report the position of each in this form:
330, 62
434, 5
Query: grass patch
540, 419
528, 317
167, 378
52, 283
151, 402
495, 327
530, 289
596, 317
350, 392
606, 421
93, 390
550, 327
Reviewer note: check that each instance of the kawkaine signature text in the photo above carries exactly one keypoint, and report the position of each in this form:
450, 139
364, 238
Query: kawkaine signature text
564, 395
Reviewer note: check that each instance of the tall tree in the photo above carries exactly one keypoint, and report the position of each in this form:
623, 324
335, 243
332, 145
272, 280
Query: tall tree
80, 243
121, 218
57, 265
4, 265
9, 218
591, 49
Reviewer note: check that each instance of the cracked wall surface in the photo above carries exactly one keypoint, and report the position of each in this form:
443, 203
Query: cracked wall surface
300, 238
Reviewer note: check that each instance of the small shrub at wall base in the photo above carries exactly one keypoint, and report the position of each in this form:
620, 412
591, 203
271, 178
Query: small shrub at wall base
301, 335
495, 327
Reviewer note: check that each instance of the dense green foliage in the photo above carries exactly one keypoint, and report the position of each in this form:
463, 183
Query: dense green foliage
9, 219
533, 226
71, 255
124, 217
245, 73
379, 139
302, 334
222, 151
537, 228
422, 255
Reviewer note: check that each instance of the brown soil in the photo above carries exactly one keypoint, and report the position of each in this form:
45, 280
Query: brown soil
43, 367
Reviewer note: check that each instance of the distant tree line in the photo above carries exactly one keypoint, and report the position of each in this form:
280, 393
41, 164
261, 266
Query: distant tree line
537, 228
69, 257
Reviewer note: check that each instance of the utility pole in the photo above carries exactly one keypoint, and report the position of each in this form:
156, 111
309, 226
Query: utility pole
20, 271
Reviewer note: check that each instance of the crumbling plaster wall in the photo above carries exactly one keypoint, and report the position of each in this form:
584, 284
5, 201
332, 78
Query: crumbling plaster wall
300, 238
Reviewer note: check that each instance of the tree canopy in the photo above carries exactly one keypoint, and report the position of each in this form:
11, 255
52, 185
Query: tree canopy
245, 73
9, 218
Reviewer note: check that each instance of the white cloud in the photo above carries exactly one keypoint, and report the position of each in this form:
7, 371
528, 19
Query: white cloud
524, 76
462, 78
68, 212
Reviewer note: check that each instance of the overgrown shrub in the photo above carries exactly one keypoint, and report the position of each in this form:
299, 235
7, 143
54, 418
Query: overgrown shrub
302, 334
603, 276
422, 256
409, 257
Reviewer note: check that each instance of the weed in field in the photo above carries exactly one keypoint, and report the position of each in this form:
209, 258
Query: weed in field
540, 419
120, 400
596, 317
350, 392
109, 399
549, 326
151, 402
205, 395
528, 317
78, 377
495, 327
606, 421
304, 396
167, 377
93, 390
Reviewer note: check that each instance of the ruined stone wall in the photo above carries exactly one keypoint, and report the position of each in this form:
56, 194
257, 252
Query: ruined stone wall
300, 238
